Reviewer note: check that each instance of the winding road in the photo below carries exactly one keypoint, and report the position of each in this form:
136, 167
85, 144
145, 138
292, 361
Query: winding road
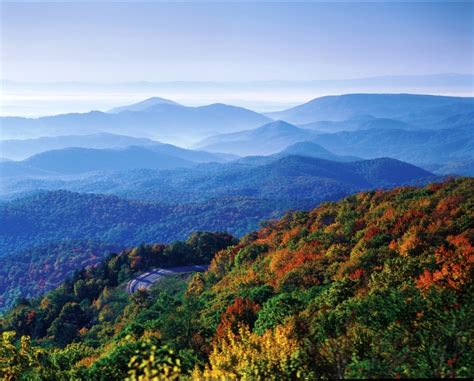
146, 280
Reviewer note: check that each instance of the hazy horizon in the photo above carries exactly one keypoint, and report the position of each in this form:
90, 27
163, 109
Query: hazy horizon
262, 55
33, 99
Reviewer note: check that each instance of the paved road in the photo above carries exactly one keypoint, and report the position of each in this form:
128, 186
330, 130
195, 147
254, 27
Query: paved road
147, 279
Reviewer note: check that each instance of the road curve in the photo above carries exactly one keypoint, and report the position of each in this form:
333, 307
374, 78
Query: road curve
146, 280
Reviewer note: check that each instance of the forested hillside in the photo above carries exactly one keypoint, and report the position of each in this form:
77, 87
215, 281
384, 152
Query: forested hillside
51, 217
45, 236
377, 285
231, 197
33, 271
280, 177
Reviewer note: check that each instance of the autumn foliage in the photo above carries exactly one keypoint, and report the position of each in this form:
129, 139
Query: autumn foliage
390, 271
242, 311
377, 285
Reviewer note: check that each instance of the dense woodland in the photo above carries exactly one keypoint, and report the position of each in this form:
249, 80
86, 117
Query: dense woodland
44, 237
39, 269
61, 215
376, 285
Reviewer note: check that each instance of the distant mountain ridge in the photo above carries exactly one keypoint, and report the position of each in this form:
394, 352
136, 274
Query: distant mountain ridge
265, 140
422, 110
22, 149
311, 149
296, 179
80, 160
168, 121
164, 122
232, 197
360, 122
305, 148
418, 147
76, 160
430, 148
143, 105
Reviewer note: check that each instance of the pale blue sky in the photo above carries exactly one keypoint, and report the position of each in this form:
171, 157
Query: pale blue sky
116, 42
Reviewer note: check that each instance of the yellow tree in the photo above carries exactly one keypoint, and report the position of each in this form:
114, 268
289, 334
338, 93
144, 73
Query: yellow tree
246, 355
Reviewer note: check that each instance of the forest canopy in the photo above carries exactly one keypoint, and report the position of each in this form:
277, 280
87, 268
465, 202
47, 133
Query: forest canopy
376, 285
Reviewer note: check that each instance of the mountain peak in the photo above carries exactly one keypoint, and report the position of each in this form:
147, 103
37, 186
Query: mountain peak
143, 105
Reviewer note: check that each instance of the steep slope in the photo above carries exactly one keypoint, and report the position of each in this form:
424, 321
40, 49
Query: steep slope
378, 285
421, 110
265, 140
22, 149
143, 105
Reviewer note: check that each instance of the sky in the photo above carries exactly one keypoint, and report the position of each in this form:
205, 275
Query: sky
116, 42
231, 41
